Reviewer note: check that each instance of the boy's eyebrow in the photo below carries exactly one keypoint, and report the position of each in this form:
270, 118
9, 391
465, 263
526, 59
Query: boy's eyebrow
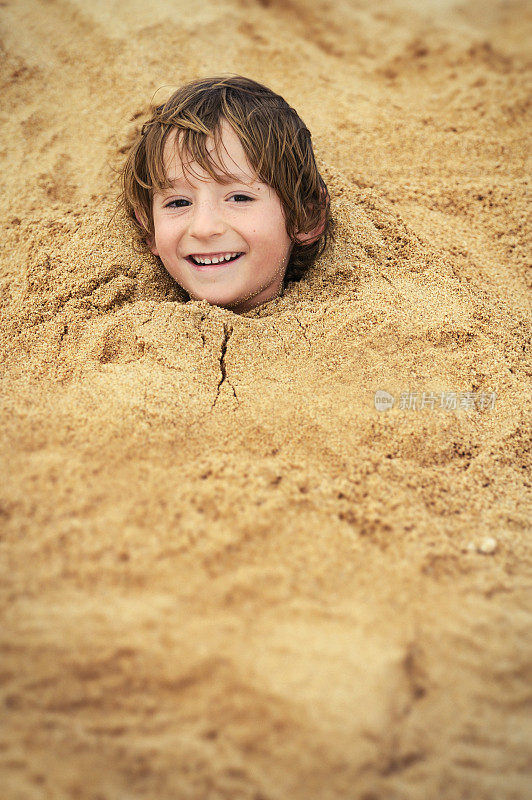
179, 180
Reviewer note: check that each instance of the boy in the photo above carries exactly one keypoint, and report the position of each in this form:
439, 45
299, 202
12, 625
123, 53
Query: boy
222, 185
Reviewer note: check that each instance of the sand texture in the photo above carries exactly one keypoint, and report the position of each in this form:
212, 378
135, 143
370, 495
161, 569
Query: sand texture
225, 574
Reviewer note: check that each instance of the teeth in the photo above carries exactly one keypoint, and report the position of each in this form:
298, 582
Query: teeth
213, 260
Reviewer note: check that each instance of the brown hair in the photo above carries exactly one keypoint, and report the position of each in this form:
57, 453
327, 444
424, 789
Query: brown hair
275, 140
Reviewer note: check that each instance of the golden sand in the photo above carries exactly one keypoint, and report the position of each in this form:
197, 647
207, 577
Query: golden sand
225, 573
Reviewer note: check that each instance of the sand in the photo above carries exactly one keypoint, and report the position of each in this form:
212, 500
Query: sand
225, 573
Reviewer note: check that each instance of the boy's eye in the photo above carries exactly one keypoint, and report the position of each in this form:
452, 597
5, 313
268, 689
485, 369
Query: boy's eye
238, 197
179, 200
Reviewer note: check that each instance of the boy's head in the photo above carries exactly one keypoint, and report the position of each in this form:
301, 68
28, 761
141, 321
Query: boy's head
226, 167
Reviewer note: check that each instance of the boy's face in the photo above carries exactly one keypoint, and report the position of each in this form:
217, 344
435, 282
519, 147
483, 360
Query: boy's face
203, 218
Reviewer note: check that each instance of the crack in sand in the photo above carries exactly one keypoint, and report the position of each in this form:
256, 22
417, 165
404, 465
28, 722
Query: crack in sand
304, 333
62, 335
286, 349
203, 317
150, 318
228, 330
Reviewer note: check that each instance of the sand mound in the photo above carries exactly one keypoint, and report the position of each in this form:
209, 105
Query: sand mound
227, 574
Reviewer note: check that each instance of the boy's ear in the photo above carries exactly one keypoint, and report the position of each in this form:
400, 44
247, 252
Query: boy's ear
315, 233
149, 242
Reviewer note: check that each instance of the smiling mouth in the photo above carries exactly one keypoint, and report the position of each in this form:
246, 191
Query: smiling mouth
217, 261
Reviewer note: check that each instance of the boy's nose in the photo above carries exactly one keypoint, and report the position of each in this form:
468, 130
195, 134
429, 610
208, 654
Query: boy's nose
206, 221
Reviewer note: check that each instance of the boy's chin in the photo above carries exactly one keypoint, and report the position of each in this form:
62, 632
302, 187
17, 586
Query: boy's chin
235, 298
218, 298
237, 304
